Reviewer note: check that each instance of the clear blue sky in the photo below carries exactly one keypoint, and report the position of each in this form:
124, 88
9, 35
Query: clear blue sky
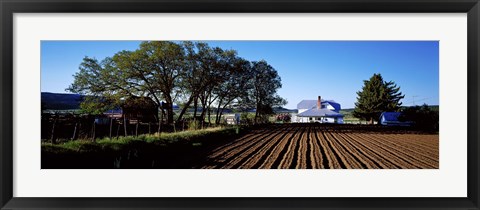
334, 70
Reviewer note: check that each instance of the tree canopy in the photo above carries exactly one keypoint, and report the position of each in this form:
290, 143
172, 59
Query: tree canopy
183, 73
377, 96
266, 82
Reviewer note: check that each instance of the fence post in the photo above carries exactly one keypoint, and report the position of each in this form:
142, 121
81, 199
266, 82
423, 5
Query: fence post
75, 131
53, 138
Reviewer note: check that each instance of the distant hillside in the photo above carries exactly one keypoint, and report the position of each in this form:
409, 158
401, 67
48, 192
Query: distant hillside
347, 110
61, 101
284, 110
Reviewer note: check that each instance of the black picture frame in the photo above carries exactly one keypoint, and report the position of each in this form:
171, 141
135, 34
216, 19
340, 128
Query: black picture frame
9, 7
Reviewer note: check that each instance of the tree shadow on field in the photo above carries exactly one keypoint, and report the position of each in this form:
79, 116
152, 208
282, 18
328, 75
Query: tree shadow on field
136, 154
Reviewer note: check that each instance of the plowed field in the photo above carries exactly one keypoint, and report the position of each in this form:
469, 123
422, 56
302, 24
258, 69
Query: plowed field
319, 146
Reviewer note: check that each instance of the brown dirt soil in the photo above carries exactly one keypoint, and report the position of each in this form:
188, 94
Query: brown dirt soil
319, 146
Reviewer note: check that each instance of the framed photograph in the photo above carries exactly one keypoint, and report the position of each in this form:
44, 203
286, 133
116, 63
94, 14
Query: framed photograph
239, 105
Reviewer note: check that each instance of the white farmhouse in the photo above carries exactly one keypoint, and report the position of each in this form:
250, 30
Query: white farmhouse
321, 111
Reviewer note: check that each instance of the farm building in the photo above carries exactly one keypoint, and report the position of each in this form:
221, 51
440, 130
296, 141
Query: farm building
391, 119
134, 109
140, 108
232, 119
321, 111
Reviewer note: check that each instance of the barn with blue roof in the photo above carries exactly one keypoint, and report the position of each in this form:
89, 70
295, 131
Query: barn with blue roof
391, 119
320, 111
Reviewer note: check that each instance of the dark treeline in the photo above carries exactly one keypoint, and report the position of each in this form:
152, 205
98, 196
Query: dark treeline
190, 74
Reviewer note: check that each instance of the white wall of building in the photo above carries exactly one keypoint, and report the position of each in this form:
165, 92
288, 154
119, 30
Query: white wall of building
330, 107
301, 110
232, 119
297, 119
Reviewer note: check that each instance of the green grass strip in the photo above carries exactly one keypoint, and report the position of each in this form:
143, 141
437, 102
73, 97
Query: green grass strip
184, 137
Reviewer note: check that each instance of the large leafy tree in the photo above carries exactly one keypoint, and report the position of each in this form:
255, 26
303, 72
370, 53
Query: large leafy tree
228, 92
164, 64
192, 80
94, 80
263, 95
377, 96
205, 69
183, 73
220, 69
152, 71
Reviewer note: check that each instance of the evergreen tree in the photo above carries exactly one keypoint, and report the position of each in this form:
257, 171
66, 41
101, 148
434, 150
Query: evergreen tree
377, 96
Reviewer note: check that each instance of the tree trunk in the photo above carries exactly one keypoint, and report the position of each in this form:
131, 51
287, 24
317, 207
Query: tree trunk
204, 111
93, 133
170, 115
118, 130
125, 125
210, 102
169, 108
255, 120
221, 112
136, 129
195, 106
208, 115
217, 119
202, 116
160, 120
180, 116
203, 101
111, 124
